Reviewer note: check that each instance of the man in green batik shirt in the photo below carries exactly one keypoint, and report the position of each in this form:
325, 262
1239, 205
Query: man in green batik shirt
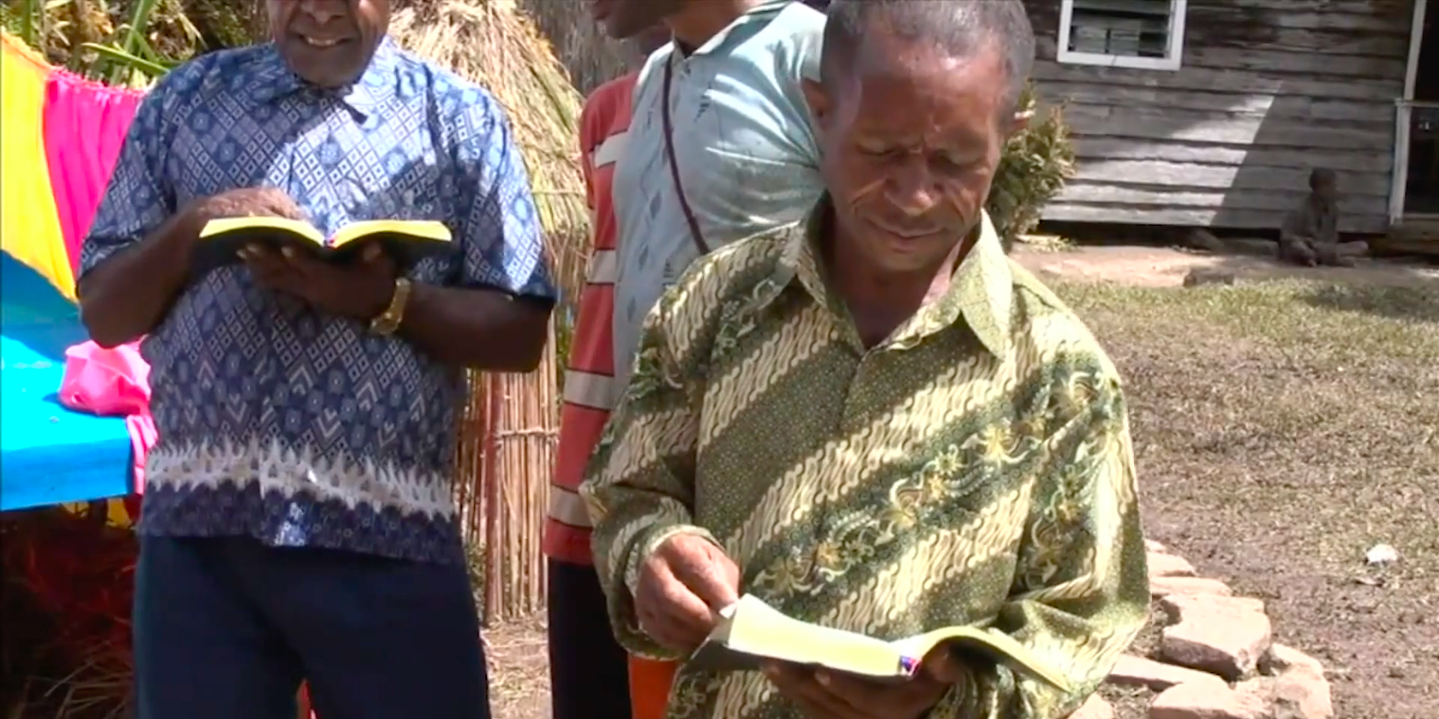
875, 421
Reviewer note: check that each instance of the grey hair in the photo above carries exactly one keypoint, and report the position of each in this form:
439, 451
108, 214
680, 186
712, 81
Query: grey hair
960, 28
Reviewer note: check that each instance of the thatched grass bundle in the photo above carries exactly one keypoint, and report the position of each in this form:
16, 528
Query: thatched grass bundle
591, 58
511, 422
492, 43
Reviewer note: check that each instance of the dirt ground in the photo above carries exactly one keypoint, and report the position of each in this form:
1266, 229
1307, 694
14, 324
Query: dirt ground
1282, 426
1166, 267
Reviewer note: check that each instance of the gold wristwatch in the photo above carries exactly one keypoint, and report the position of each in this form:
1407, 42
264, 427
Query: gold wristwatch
388, 321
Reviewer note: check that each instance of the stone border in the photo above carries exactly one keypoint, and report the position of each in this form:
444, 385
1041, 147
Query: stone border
1219, 658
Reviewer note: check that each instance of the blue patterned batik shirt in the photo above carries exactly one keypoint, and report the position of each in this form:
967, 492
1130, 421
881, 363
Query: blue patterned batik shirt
275, 421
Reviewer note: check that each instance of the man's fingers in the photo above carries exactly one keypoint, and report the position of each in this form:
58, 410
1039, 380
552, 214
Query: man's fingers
371, 252
670, 633
853, 692
943, 666
684, 606
711, 588
800, 686
268, 269
671, 607
710, 575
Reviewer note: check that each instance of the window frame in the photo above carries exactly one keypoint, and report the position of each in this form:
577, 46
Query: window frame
1174, 53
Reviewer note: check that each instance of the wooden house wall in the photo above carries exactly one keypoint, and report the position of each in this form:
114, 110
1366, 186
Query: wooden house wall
1268, 90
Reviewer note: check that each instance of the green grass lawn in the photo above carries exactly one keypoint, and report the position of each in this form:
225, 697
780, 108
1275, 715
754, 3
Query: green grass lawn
1282, 428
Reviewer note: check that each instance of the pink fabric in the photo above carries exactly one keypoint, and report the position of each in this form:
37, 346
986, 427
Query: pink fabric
85, 124
113, 382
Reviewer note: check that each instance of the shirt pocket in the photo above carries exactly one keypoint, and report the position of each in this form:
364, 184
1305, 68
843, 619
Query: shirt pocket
412, 183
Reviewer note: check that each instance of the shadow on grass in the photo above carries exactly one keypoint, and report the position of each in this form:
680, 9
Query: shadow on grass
1417, 304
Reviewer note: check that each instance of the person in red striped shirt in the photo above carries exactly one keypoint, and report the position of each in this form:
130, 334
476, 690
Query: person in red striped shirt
588, 668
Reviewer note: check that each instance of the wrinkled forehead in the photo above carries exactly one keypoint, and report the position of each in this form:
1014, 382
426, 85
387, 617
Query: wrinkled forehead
893, 69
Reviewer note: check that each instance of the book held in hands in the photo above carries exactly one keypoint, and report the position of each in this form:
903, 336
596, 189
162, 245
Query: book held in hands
751, 632
406, 241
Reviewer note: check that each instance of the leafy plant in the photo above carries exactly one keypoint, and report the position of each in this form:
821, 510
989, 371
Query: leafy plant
120, 42
1035, 165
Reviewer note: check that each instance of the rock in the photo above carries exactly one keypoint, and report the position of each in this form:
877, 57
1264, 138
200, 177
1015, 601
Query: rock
1205, 276
1296, 688
1132, 671
1252, 246
1152, 546
1201, 239
1220, 635
1294, 696
1282, 659
1095, 708
1206, 700
1168, 565
1381, 554
1176, 604
1164, 586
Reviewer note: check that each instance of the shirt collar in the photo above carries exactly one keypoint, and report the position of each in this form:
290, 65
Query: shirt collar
981, 290
365, 96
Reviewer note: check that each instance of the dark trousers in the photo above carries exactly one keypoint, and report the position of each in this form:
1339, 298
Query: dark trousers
589, 671
228, 628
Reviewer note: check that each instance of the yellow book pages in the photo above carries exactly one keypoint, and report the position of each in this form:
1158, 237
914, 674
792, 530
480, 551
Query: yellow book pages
418, 229
998, 645
225, 225
753, 628
756, 628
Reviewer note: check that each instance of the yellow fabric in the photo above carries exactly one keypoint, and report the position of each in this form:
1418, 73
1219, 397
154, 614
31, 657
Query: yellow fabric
29, 223
116, 515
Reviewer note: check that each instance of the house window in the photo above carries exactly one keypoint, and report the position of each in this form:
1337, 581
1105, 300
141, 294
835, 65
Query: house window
1143, 34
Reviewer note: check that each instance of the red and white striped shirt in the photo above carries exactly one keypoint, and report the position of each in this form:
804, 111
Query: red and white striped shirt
590, 387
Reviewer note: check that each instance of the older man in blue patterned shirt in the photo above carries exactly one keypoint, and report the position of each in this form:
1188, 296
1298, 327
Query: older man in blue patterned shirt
297, 523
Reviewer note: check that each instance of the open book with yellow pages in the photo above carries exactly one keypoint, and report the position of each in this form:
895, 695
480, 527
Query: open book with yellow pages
406, 241
751, 632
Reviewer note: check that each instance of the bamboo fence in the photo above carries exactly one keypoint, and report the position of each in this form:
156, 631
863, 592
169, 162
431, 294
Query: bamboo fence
507, 440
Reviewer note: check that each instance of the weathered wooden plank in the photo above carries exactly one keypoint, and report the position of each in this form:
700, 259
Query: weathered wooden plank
1277, 35
1401, 10
1158, 124
1311, 64
1078, 191
1380, 8
1285, 106
1101, 148
1305, 62
1155, 215
1254, 15
1206, 79
1420, 237
1195, 217
1223, 177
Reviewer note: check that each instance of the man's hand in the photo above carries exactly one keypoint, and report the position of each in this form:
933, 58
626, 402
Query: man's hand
129, 295
245, 202
681, 589
823, 694
360, 291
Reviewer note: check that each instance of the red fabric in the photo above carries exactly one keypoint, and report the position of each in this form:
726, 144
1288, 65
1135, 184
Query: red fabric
650, 683
85, 125
113, 382
606, 115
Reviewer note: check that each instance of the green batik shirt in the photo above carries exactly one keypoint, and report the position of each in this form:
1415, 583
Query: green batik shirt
975, 468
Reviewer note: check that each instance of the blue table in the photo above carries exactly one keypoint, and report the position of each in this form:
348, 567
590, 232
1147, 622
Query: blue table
48, 454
